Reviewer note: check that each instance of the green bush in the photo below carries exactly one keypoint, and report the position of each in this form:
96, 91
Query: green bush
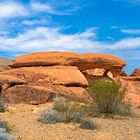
109, 97
72, 112
60, 104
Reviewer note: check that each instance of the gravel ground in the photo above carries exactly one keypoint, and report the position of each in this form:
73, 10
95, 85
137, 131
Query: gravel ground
22, 119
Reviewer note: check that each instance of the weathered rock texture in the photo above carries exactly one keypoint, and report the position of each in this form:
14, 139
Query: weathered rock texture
45, 59
44, 83
4, 63
39, 77
83, 62
133, 89
136, 72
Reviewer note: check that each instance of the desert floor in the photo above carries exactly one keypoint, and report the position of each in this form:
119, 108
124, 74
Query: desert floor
24, 126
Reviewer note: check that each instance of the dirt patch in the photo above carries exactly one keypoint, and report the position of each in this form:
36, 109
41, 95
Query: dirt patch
22, 119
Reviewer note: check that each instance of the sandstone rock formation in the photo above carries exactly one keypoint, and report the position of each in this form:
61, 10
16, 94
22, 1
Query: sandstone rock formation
4, 63
66, 81
133, 88
39, 77
9, 81
83, 62
136, 72
45, 59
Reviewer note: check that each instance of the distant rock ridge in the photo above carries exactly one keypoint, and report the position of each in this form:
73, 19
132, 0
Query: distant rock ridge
136, 72
4, 63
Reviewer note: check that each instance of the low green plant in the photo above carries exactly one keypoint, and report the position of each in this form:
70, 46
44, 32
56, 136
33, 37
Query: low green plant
108, 97
60, 104
72, 112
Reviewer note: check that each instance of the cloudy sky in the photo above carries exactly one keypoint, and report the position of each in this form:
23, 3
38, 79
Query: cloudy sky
99, 26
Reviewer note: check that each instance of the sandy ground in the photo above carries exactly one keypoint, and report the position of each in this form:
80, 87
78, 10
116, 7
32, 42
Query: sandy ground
22, 119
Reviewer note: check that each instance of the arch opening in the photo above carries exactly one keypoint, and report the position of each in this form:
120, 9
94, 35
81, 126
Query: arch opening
98, 73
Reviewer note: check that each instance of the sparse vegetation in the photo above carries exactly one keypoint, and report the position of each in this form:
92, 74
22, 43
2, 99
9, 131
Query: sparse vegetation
87, 123
50, 116
4, 131
2, 106
4, 125
60, 104
72, 112
108, 97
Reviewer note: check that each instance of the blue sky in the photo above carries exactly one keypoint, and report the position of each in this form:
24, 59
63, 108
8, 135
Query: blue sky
98, 26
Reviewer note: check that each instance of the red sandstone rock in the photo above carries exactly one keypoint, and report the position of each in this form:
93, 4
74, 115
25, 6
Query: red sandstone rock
136, 72
28, 94
66, 81
55, 75
10, 80
45, 59
48, 74
133, 88
83, 62
105, 61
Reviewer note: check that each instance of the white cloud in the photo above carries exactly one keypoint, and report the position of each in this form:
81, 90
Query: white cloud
52, 8
51, 39
12, 9
36, 22
131, 31
135, 2
42, 7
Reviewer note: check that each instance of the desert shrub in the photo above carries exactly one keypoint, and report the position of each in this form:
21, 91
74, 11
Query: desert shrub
87, 123
72, 112
60, 104
109, 97
4, 125
5, 136
4, 129
50, 116
2, 106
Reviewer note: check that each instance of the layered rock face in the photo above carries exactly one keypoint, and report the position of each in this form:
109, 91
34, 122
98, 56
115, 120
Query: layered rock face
39, 77
83, 62
44, 83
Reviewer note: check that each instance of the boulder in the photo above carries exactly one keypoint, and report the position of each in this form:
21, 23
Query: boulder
10, 80
28, 94
55, 75
73, 93
43, 83
133, 88
105, 61
7, 81
39, 94
44, 59
136, 72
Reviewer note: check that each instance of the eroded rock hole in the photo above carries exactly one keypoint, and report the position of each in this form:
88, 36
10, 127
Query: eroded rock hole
96, 74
